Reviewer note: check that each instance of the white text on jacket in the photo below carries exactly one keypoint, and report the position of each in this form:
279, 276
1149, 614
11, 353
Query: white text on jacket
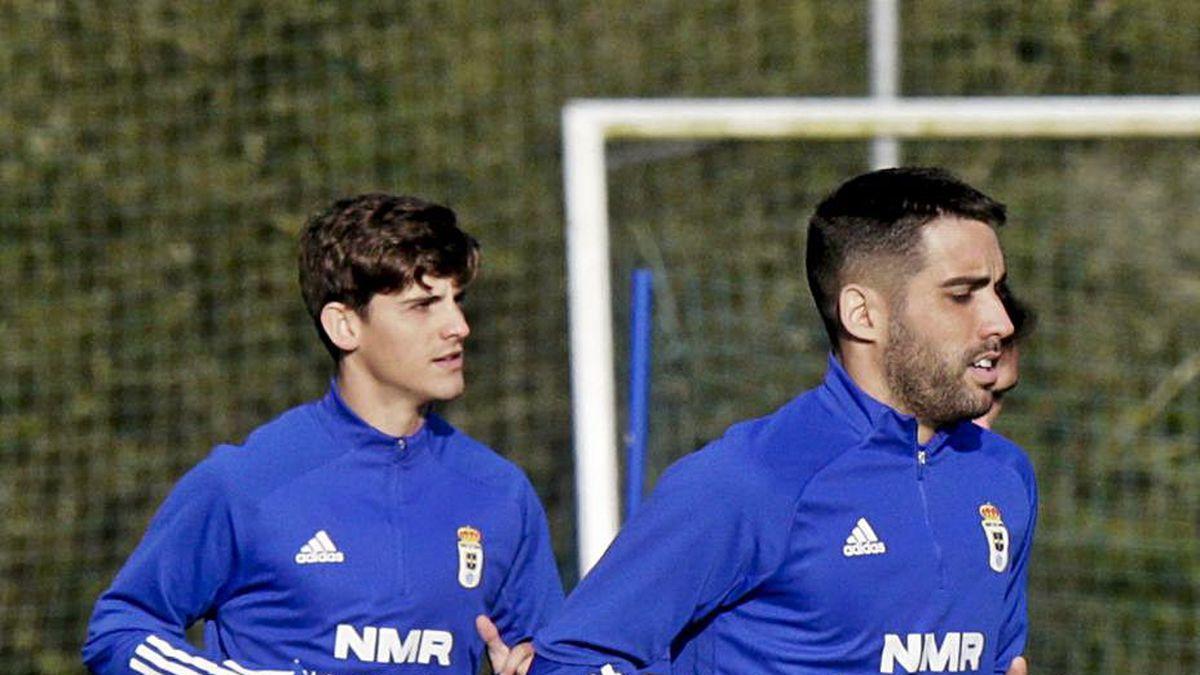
921, 653
383, 645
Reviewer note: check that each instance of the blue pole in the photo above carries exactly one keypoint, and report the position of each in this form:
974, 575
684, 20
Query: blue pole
640, 333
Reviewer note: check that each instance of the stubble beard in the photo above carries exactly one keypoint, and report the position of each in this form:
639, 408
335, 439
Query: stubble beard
927, 384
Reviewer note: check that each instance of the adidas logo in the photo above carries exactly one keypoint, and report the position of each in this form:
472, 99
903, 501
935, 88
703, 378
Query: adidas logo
319, 549
863, 541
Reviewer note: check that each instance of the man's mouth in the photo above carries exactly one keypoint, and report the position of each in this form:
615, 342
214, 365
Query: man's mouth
451, 360
983, 369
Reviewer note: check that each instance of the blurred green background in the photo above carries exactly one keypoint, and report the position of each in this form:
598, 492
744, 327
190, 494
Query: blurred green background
157, 158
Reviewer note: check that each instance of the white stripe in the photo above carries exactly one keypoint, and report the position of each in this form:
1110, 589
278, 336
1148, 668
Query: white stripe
200, 662
851, 539
246, 671
160, 662
142, 668
307, 548
859, 536
180, 655
862, 522
316, 545
323, 537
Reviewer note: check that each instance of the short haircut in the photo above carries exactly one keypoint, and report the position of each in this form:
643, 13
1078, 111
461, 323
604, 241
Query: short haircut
379, 243
869, 230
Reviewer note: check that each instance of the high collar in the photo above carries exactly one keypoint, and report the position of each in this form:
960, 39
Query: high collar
884, 426
348, 425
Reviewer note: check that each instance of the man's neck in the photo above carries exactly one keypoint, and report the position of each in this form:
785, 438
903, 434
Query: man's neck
870, 378
924, 433
379, 406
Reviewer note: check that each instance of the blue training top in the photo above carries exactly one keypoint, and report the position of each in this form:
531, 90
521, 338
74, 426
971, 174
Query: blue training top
326, 546
819, 539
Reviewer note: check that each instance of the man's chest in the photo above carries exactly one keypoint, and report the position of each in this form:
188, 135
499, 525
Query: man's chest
375, 567
880, 554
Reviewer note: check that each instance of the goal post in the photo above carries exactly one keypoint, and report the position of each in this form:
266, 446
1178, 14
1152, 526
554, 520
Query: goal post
589, 124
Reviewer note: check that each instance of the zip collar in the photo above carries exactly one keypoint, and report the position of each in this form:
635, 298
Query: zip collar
344, 423
882, 427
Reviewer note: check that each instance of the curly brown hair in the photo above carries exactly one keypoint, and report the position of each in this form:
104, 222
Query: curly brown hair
379, 243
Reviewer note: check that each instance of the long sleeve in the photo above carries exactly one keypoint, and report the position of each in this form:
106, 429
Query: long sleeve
532, 591
174, 577
696, 545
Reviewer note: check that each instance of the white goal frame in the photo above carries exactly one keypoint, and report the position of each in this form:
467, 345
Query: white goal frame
588, 124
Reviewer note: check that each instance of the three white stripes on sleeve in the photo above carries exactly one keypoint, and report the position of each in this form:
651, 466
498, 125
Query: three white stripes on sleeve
155, 656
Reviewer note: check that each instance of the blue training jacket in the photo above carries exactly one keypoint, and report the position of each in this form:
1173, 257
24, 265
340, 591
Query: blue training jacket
325, 546
819, 539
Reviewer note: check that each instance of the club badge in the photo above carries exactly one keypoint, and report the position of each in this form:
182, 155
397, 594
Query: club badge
470, 556
997, 537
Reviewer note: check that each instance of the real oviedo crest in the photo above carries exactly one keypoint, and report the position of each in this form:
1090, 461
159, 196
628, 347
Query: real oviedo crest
470, 556
997, 537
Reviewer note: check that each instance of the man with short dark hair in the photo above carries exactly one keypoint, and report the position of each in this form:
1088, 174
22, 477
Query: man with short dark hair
867, 526
360, 533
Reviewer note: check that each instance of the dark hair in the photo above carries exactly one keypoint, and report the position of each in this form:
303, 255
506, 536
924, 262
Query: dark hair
1020, 313
870, 228
379, 243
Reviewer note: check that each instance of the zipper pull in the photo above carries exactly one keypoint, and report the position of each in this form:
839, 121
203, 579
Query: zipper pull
921, 457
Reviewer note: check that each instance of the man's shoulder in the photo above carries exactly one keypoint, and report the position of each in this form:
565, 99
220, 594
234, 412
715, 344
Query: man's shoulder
296, 426
780, 451
292, 442
1007, 452
471, 459
997, 450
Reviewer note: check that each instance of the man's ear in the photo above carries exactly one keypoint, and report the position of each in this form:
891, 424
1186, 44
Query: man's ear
863, 313
342, 324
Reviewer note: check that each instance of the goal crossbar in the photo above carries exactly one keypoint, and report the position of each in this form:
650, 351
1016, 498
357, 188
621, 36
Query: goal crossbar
589, 124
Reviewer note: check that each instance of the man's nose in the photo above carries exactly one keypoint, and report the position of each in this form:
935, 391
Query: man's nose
997, 323
456, 324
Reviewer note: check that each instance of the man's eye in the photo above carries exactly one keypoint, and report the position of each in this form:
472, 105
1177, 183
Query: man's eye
961, 298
